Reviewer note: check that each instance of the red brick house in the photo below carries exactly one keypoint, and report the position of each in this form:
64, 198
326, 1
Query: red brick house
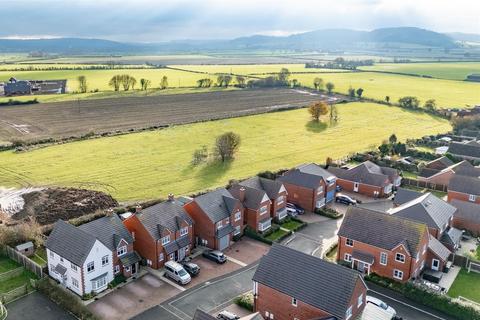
256, 206
467, 216
368, 178
432, 174
289, 284
464, 188
162, 232
309, 186
387, 245
218, 217
276, 192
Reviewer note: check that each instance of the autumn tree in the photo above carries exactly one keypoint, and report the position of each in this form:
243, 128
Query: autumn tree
330, 86
318, 109
164, 83
318, 83
226, 145
115, 82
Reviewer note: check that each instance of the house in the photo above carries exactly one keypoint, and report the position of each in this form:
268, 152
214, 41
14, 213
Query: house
202, 315
405, 195
464, 188
309, 186
276, 192
469, 150
467, 216
387, 245
78, 260
256, 206
368, 178
289, 284
218, 218
162, 232
433, 173
17, 87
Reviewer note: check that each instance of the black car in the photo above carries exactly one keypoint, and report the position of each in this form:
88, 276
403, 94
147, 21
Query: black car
345, 200
215, 255
295, 207
192, 268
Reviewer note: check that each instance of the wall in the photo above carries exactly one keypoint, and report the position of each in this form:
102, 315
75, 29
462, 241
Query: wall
144, 244
301, 196
461, 196
71, 274
464, 224
98, 251
365, 189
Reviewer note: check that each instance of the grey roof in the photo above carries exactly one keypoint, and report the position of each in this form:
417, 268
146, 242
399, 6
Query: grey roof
130, 258
108, 230
60, 269
428, 172
298, 178
363, 256
24, 246
321, 284
271, 187
467, 210
70, 242
224, 231
405, 195
464, 149
464, 184
382, 205
183, 241
164, 215
440, 163
428, 209
438, 248
252, 198
217, 204
382, 230
452, 236
367, 173
461, 168
202, 315
171, 247
315, 169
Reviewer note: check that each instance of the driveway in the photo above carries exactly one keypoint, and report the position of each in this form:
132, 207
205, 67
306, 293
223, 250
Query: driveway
129, 300
36, 306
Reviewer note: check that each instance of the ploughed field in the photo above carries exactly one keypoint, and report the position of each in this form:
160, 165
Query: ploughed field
76, 118
149, 165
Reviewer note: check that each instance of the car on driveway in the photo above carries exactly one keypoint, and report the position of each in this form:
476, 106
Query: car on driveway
293, 208
227, 315
215, 255
341, 198
382, 305
192, 268
176, 272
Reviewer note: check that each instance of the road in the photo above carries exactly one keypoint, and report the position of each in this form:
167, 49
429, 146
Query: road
36, 306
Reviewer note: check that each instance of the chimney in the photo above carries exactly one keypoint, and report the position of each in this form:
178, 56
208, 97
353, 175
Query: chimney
241, 194
171, 197
138, 208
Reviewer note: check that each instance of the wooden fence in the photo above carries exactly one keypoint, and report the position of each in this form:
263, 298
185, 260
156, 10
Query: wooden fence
424, 184
14, 294
11, 274
25, 261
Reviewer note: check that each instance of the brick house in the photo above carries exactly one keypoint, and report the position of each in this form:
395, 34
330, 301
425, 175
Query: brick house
276, 192
368, 178
289, 284
442, 176
387, 245
256, 206
464, 188
465, 150
218, 217
309, 186
162, 232
467, 216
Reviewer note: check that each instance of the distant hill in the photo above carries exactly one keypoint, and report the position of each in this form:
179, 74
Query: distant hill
338, 39
471, 37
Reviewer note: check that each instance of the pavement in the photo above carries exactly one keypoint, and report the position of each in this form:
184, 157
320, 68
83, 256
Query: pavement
36, 306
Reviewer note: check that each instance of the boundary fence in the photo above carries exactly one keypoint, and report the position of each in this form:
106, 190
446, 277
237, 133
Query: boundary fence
25, 261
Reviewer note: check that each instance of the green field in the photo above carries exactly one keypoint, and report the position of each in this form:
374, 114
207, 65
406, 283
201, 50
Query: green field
152, 164
442, 70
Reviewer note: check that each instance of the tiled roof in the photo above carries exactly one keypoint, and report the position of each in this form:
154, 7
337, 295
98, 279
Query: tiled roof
252, 198
315, 169
382, 230
130, 258
366, 173
452, 236
224, 231
464, 149
363, 256
467, 210
108, 230
428, 209
405, 195
442, 162
271, 187
438, 248
321, 284
298, 178
217, 204
464, 184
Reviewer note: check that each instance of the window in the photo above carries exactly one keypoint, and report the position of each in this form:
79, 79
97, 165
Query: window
121, 251
127, 269
347, 257
117, 269
161, 257
183, 231
383, 258
73, 267
237, 230
280, 200
397, 274
263, 210
360, 301
472, 197
75, 282
165, 240
219, 224
61, 259
100, 283
320, 190
294, 302
90, 266
348, 314
400, 257
52, 255
349, 242
267, 314
149, 262
238, 215
104, 261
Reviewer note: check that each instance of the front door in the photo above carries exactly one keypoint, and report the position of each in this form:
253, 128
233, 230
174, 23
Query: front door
435, 264
134, 268
355, 186
181, 254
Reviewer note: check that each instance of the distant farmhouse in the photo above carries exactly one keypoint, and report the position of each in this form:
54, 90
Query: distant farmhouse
16, 87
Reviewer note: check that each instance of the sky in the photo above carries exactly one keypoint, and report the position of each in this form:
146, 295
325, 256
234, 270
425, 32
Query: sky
165, 20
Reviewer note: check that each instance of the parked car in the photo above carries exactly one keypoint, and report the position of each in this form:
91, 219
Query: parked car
215, 255
295, 207
176, 272
227, 315
292, 212
382, 305
192, 268
345, 199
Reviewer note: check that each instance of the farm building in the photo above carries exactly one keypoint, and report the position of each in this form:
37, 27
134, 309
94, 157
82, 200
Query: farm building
16, 87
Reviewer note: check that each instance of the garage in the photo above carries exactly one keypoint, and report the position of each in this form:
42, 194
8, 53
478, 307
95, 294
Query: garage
224, 242
330, 195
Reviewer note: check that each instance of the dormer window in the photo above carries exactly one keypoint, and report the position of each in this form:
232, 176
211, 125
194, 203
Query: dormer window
165, 240
121, 251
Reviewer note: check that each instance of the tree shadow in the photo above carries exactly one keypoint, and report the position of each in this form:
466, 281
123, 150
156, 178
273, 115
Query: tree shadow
316, 126
211, 172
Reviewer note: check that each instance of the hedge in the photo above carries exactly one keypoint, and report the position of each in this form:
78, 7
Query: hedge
329, 213
245, 301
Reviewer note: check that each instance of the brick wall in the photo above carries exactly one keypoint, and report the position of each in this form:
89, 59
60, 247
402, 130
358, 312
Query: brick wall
365, 189
301, 196
461, 196
464, 224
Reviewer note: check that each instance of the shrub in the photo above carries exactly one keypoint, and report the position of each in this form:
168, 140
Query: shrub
249, 232
245, 301
329, 213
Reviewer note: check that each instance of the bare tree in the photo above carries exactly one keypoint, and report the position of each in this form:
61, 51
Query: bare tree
144, 84
318, 83
318, 109
283, 75
226, 145
164, 83
82, 84
115, 82
330, 86
240, 81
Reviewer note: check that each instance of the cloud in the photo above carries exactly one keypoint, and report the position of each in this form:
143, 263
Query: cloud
149, 20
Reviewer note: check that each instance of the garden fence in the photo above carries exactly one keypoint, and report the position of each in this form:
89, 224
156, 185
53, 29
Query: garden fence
424, 184
11, 274
14, 294
25, 261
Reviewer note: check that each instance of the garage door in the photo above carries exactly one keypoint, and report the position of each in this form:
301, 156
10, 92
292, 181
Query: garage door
330, 195
224, 242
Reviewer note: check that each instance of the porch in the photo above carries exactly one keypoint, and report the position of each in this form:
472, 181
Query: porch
362, 261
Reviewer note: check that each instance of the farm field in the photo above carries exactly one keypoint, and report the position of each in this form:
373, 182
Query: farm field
252, 69
150, 165
65, 119
50, 66
441, 70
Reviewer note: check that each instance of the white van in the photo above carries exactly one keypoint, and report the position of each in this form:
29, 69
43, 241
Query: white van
176, 272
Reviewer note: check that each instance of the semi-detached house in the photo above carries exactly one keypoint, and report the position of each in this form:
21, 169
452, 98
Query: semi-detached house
464, 188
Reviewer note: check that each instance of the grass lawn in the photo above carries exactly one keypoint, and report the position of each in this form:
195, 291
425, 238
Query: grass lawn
291, 225
409, 175
7, 264
15, 282
276, 235
443, 70
332, 254
466, 285
438, 194
425, 149
149, 165
38, 259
